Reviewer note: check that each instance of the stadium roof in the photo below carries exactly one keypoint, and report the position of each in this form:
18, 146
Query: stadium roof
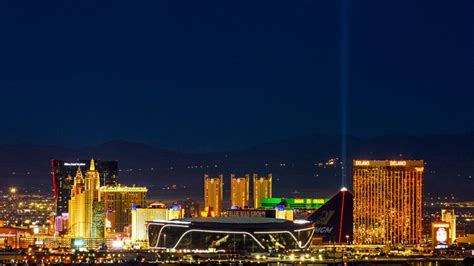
235, 220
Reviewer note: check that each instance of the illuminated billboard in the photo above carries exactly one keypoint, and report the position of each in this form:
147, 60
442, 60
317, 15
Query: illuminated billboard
293, 203
441, 235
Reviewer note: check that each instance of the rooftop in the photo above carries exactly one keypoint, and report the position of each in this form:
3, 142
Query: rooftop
235, 220
388, 163
123, 189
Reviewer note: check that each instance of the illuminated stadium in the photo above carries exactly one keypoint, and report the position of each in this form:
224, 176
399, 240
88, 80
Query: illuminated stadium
332, 222
231, 234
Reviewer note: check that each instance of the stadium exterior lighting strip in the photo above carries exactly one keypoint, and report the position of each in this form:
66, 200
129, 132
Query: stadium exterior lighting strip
163, 226
218, 231
292, 235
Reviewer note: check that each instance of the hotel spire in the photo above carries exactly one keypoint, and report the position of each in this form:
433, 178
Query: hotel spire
92, 165
78, 173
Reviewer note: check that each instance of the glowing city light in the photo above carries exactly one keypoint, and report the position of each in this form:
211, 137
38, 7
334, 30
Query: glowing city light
78, 243
117, 244
301, 222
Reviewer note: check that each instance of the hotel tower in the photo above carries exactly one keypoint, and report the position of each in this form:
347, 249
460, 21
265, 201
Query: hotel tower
262, 188
388, 200
85, 215
239, 190
213, 194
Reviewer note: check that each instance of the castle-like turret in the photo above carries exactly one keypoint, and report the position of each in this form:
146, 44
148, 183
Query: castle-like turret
84, 203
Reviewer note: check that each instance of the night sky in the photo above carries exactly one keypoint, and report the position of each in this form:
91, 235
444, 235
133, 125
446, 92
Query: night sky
214, 75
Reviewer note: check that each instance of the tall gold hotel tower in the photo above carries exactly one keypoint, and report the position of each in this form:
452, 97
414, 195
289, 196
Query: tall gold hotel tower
213, 193
388, 198
262, 188
239, 194
84, 203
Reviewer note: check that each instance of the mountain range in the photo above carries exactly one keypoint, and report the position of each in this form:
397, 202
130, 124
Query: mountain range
301, 166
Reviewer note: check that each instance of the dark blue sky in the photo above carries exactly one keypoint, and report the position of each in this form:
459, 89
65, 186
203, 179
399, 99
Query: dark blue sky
207, 75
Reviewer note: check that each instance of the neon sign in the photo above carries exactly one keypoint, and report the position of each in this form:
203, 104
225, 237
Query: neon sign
74, 164
398, 163
361, 163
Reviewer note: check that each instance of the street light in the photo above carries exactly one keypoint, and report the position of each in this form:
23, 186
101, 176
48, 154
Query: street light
13, 190
344, 249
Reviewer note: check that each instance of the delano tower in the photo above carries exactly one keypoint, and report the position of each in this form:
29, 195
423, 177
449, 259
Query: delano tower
388, 200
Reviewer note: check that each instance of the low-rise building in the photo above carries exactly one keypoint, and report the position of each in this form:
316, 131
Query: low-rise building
154, 212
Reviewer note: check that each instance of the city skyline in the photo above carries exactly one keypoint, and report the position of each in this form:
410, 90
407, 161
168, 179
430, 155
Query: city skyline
248, 132
309, 165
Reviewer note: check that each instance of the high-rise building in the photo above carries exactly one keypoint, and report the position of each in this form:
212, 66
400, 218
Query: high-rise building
86, 213
262, 188
62, 173
213, 194
388, 203
141, 216
239, 191
448, 216
77, 203
118, 203
93, 208
61, 224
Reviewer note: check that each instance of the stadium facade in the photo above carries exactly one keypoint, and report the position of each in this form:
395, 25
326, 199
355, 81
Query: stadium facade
231, 234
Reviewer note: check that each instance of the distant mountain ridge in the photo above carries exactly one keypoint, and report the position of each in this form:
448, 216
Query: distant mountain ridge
296, 163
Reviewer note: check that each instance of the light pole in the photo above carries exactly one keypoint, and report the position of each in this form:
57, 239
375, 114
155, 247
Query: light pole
347, 243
